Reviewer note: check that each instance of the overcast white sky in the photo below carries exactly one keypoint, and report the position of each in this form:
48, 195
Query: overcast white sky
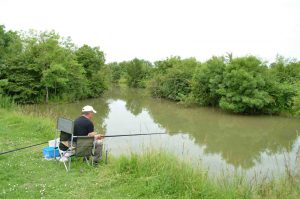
156, 29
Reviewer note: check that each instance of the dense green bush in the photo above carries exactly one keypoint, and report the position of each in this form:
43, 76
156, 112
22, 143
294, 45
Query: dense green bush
287, 77
207, 80
137, 72
248, 88
172, 78
285, 70
296, 105
243, 88
116, 71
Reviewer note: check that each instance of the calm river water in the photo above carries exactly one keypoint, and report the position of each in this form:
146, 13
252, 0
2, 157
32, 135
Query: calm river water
254, 145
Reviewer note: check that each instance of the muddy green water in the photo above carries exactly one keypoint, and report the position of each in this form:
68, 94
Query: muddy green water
254, 145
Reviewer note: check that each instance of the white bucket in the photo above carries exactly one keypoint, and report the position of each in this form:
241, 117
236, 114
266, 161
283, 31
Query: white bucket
54, 143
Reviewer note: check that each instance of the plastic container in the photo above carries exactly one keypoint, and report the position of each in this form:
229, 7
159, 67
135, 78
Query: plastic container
54, 143
50, 152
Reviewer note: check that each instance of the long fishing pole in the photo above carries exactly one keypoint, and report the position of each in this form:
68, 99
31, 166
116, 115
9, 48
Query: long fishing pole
126, 135
18, 149
105, 136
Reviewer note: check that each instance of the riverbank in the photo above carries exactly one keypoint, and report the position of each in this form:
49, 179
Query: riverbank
25, 174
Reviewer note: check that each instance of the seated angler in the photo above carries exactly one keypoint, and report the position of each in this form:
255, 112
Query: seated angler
83, 126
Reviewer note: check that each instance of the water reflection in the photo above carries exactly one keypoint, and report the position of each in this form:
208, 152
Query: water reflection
239, 139
214, 138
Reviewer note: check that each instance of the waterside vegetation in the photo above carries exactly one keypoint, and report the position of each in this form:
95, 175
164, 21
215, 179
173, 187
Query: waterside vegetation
37, 67
245, 85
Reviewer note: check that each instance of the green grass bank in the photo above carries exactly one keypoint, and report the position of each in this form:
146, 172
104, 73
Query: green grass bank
25, 174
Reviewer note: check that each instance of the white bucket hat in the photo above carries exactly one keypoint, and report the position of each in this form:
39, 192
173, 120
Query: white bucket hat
88, 108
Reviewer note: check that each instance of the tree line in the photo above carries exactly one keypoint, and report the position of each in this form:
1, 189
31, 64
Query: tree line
40, 66
245, 85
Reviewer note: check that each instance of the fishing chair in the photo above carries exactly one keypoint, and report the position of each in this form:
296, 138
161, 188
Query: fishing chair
83, 147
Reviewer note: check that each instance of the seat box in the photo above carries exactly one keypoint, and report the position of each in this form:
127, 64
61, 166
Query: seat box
50, 152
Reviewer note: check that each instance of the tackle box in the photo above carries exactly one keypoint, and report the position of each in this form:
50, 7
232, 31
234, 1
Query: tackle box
50, 152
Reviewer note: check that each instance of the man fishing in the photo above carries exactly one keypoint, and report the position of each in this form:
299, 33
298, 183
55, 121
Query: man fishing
83, 126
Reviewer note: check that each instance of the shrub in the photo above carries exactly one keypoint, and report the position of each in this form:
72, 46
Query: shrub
176, 84
247, 87
136, 72
172, 78
206, 82
286, 70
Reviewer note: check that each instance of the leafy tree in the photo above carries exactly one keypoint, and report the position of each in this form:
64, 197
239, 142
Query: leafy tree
54, 78
78, 85
23, 84
99, 82
44, 53
92, 59
10, 46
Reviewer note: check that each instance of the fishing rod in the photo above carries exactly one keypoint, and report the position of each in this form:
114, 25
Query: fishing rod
105, 136
18, 149
127, 135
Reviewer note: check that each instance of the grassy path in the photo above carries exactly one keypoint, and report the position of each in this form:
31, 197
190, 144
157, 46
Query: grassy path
25, 174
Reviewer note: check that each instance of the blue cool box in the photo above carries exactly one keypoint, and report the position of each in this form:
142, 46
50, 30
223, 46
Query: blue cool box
50, 152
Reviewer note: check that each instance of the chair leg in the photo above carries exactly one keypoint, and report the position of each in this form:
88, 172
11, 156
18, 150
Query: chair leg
106, 154
87, 161
54, 155
69, 159
66, 167
61, 154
